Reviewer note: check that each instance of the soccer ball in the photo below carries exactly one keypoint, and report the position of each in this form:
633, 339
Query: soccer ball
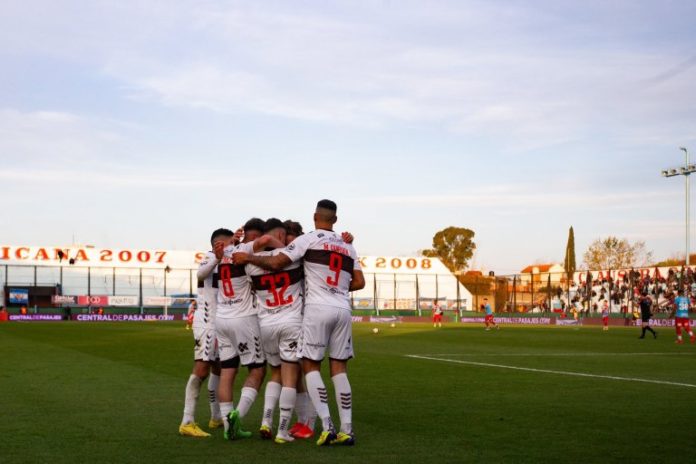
375, 330
392, 325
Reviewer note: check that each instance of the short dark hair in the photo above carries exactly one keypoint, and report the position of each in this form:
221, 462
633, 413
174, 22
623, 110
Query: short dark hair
256, 224
222, 232
273, 223
327, 204
293, 228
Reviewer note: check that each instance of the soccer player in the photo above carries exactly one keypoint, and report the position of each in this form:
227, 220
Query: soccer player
306, 414
645, 304
237, 329
605, 315
189, 314
681, 311
437, 314
205, 342
332, 271
489, 315
279, 296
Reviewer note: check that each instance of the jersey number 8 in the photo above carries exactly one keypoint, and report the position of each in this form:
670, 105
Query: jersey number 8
226, 279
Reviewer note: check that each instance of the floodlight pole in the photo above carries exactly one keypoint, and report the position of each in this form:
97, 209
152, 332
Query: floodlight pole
686, 172
687, 182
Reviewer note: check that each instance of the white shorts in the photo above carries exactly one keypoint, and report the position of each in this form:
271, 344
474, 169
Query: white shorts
205, 344
326, 327
280, 342
240, 337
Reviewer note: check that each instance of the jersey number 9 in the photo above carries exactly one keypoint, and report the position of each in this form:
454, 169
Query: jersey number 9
335, 264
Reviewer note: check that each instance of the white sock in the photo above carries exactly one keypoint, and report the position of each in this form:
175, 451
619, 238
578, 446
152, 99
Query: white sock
270, 399
301, 401
311, 414
286, 403
320, 398
193, 389
213, 383
344, 400
246, 399
225, 409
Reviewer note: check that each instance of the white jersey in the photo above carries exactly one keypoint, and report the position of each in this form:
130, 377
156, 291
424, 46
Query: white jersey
207, 275
234, 296
329, 263
279, 293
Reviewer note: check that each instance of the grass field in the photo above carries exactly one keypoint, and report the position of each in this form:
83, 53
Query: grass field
82, 392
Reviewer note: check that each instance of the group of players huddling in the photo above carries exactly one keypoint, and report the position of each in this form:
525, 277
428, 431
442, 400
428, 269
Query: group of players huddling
269, 294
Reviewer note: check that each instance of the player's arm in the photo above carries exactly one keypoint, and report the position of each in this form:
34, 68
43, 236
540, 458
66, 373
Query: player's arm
358, 280
207, 267
267, 241
238, 235
272, 263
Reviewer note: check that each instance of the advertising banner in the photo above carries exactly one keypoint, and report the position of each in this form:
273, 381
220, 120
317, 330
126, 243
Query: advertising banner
657, 323
123, 301
35, 317
363, 303
157, 301
385, 319
93, 300
19, 296
509, 320
125, 317
64, 299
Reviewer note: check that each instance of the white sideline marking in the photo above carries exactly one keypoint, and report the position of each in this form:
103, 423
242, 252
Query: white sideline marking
558, 354
548, 371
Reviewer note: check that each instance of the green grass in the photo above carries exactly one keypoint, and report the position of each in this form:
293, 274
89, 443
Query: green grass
80, 392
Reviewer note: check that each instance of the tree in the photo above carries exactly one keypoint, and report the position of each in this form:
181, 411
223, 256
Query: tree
569, 262
454, 246
675, 260
615, 253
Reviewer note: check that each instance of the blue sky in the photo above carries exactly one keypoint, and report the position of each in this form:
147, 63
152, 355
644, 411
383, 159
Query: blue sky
148, 124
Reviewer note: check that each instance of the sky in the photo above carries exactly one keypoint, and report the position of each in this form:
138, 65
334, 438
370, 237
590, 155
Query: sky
150, 124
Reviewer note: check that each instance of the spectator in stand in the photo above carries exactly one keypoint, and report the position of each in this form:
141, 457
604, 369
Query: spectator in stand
23, 310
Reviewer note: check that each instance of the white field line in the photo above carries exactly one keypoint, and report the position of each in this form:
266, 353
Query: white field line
526, 355
549, 371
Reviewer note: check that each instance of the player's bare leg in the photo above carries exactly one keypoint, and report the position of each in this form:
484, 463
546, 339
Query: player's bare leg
271, 396
679, 334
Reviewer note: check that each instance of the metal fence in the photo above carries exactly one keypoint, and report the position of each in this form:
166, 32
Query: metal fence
383, 292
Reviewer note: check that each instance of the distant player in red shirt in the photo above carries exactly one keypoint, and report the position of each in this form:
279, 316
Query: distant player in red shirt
605, 315
4, 316
437, 314
191, 313
489, 316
